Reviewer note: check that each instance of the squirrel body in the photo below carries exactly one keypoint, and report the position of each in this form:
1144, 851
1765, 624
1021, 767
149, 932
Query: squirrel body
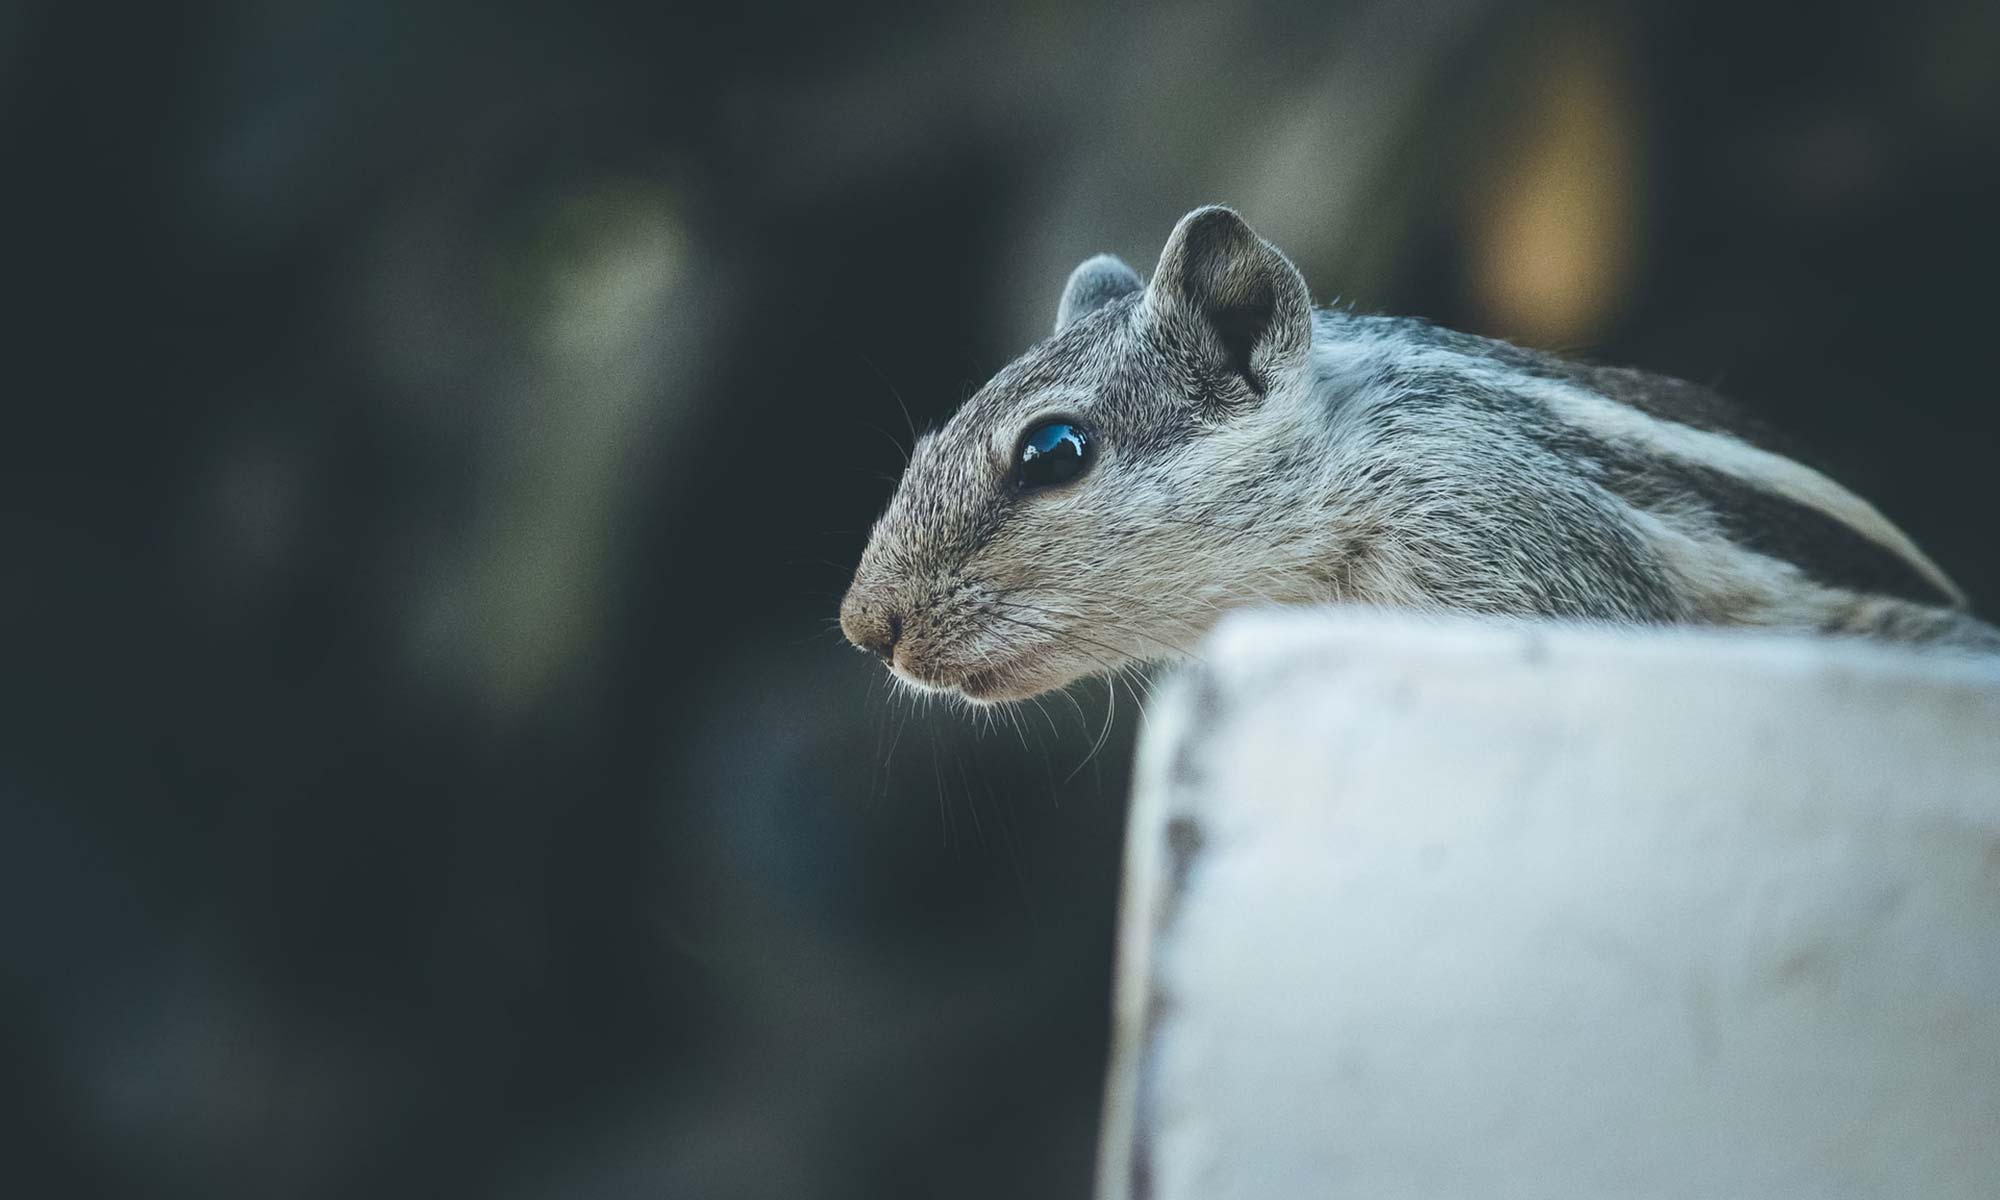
1228, 444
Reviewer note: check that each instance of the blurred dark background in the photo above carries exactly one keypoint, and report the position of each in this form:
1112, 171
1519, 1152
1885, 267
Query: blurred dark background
437, 435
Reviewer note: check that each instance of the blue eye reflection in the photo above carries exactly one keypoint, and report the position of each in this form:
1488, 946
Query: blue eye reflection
1053, 452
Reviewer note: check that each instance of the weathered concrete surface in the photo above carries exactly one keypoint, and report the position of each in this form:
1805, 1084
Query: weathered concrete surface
1461, 911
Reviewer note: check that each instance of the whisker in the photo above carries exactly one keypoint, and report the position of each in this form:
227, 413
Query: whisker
891, 385
1111, 714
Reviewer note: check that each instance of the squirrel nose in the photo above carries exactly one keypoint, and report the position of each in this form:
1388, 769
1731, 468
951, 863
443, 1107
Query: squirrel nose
887, 647
873, 629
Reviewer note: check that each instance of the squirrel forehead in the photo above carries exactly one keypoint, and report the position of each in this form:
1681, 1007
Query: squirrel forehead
1107, 367
1079, 359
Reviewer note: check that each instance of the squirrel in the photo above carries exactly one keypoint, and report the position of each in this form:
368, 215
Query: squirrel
1209, 439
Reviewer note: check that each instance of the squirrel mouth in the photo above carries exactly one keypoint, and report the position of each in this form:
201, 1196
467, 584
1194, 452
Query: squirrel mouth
981, 686
998, 679
987, 686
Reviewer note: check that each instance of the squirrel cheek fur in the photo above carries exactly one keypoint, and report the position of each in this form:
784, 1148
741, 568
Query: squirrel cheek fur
1250, 449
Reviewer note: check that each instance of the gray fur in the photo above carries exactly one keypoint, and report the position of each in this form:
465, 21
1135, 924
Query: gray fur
1095, 283
1252, 450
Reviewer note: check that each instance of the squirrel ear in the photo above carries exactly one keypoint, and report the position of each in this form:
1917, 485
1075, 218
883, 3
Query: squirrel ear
1095, 283
1235, 292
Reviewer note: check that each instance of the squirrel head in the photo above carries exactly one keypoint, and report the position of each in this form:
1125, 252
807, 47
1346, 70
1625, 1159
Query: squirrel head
1096, 502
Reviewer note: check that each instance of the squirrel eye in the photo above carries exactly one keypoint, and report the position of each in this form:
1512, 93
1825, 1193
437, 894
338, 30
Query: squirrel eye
1053, 452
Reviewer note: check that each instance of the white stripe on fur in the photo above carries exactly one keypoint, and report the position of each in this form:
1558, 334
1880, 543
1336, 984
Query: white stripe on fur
1772, 472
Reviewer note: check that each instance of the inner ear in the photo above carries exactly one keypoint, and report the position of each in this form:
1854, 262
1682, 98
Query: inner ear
1239, 326
1235, 293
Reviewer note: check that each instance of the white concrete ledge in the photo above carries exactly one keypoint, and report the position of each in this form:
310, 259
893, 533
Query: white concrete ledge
1497, 911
